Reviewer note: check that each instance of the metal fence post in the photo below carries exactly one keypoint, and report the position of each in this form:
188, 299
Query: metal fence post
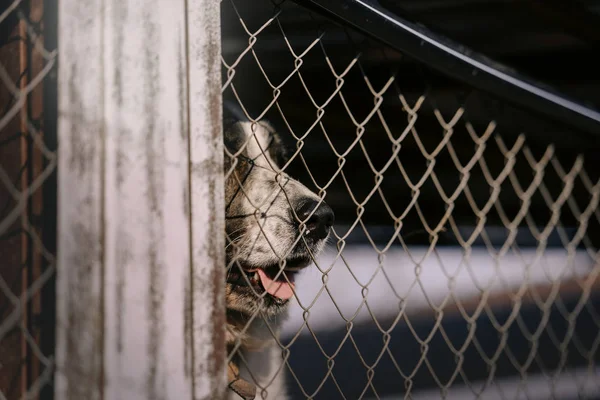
140, 200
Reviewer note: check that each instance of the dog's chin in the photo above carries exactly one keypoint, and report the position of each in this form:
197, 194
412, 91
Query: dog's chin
246, 286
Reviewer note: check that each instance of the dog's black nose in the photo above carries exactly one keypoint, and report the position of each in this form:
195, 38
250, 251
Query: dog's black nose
319, 222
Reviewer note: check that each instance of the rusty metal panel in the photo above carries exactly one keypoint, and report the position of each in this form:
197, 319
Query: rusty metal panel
207, 201
141, 301
36, 168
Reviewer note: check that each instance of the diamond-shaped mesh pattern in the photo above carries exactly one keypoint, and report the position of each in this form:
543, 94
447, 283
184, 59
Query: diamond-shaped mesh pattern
26, 170
464, 256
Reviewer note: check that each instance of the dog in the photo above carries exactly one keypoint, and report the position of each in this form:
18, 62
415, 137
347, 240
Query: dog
275, 227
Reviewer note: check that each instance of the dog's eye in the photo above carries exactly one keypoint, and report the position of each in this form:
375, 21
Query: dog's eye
280, 157
233, 137
277, 150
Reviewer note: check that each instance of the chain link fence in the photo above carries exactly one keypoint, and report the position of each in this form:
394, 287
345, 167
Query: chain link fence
27, 196
463, 262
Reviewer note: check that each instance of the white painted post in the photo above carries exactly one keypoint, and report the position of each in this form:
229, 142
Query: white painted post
208, 209
141, 249
80, 266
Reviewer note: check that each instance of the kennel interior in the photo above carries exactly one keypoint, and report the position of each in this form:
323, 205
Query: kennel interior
464, 262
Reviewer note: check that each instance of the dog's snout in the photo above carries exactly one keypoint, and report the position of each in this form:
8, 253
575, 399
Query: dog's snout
319, 222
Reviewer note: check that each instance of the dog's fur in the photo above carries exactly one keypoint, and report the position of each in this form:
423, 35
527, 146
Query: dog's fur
263, 229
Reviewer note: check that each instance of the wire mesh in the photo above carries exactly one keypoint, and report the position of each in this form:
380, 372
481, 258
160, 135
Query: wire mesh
27, 164
465, 250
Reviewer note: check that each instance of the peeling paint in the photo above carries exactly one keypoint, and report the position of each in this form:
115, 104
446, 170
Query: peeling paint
188, 328
119, 18
83, 373
207, 202
182, 86
154, 145
123, 257
83, 149
79, 347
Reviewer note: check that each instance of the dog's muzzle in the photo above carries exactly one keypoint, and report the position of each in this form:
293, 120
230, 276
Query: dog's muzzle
314, 220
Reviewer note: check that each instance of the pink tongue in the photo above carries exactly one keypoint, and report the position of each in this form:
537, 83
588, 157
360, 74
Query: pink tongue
281, 289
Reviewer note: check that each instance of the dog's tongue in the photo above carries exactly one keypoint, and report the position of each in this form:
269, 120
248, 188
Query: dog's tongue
281, 289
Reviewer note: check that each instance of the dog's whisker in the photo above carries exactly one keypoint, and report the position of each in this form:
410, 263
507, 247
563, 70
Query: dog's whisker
234, 241
229, 235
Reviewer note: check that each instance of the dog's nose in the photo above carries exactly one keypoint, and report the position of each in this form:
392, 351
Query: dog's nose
319, 222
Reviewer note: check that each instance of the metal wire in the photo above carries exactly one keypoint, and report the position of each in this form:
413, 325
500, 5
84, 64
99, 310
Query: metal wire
26, 163
486, 180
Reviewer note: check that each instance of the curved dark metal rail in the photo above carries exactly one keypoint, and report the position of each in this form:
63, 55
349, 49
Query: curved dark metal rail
452, 59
